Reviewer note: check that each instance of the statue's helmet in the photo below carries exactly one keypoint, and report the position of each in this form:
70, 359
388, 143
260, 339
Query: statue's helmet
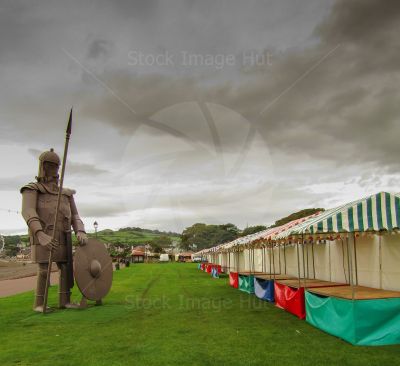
47, 156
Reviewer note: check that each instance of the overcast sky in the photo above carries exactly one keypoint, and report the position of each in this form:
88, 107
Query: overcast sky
200, 111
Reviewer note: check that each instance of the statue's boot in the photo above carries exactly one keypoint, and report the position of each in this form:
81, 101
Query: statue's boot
39, 309
40, 288
64, 292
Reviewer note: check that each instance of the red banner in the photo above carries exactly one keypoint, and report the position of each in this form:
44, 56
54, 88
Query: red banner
234, 279
290, 299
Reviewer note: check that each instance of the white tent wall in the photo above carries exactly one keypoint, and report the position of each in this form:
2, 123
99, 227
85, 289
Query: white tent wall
367, 253
390, 259
232, 258
378, 259
316, 261
291, 260
277, 258
245, 260
268, 262
231, 262
332, 261
243, 257
339, 264
257, 260
322, 261
224, 260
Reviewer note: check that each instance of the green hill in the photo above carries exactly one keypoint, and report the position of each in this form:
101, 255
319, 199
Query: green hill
125, 236
133, 236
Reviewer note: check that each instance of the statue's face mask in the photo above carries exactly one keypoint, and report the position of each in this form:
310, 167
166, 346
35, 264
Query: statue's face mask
50, 169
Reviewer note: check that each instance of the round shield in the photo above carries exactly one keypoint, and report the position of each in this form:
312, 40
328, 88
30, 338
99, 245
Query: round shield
93, 270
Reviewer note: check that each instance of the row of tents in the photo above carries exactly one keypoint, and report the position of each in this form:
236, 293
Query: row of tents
339, 269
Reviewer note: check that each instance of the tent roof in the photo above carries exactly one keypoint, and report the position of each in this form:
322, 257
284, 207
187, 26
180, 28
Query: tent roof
266, 234
378, 212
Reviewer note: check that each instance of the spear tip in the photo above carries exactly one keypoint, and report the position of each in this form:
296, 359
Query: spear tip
69, 127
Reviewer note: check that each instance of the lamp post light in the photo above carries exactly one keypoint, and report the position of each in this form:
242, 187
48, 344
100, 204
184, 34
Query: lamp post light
96, 225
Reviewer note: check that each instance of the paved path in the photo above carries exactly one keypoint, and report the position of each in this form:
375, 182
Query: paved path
16, 286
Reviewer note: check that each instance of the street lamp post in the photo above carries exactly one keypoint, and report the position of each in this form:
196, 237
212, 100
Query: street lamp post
96, 225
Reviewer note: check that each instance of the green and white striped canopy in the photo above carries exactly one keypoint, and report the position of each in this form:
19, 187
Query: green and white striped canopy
378, 212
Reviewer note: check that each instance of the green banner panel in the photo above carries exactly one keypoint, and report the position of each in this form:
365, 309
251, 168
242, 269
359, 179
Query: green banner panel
361, 322
246, 283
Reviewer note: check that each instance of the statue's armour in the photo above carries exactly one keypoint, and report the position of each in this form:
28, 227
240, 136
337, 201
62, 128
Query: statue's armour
39, 212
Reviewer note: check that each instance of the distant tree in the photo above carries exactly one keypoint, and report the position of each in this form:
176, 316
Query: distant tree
201, 235
156, 248
11, 243
252, 230
297, 215
159, 243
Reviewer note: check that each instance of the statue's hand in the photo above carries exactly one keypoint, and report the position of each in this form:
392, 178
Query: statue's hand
47, 241
82, 238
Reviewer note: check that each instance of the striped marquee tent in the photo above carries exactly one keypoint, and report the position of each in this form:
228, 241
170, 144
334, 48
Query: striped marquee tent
264, 235
376, 213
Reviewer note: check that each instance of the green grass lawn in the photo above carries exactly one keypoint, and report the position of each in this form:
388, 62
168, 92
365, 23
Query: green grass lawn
172, 314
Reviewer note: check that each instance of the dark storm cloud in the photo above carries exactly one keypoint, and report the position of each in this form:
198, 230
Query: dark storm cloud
345, 110
360, 21
98, 48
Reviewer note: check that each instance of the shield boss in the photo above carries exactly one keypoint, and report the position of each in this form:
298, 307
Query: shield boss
93, 270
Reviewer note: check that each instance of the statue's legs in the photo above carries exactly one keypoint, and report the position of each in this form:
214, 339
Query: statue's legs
64, 293
40, 286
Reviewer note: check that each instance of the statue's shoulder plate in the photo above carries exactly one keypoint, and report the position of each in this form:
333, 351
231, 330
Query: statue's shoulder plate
68, 192
33, 186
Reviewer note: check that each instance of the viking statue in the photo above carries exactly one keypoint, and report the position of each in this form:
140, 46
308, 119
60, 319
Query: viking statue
39, 202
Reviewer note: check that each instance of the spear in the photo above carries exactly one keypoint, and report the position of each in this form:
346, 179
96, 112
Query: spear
67, 136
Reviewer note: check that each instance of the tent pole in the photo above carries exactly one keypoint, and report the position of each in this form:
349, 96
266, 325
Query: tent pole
262, 259
298, 259
355, 257
254, 261
235, 260
304, 262
284, 254
313, 260
380, 261
330, 264
273, 260
279, 258
308, 269
348, 259
350, 268
265, 259
270, 261
249, 261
